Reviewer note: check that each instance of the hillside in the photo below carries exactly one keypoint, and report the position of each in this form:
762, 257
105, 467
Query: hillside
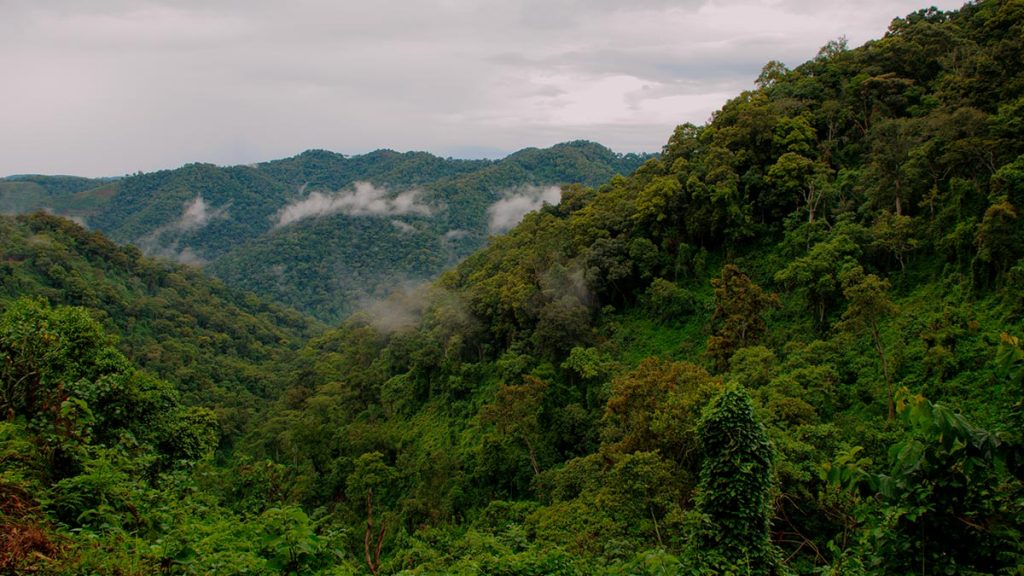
831, 267
789, 344
218, 346
298, 230
70, 196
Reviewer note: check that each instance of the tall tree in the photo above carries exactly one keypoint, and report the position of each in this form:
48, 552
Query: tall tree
739, 314
734, 494
869, 304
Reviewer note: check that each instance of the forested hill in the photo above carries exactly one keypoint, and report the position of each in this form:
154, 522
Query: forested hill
789, 344
70, 196
321, 231
219, 347
786, 344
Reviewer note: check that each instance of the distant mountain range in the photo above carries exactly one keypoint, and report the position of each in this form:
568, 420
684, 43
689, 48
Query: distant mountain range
321, 232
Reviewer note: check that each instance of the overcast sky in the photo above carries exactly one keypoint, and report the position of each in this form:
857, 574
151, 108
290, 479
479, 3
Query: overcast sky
109, 87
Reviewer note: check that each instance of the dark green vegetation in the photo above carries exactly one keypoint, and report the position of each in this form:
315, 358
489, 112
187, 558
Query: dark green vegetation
326, 263
66, 195
790, 344
219, 347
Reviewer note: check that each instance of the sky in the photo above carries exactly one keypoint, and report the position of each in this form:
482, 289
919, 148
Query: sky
111, 87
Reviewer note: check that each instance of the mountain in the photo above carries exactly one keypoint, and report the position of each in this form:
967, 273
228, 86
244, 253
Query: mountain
791, 344
320, 231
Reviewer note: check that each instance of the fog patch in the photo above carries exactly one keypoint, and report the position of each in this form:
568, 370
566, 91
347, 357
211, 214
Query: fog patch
403, 309
403, 226
188, 256
197, 214
76, 219
455, 234
517, 203
364, 200
165, 241
561, 281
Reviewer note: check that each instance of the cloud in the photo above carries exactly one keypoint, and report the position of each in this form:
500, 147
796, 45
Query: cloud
455, 234
401, 309
188, 256
76, 219
518, 202
403, 226
165, 241
435, 75
364, 200
197, 214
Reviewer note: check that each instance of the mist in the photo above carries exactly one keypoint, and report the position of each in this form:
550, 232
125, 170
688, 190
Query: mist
364, 200
403, 226
517, 203
197, 214
165, 241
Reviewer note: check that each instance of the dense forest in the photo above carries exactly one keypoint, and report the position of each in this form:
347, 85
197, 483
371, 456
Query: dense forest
790, 344
321, 232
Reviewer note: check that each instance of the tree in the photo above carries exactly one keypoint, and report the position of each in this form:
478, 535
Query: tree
794, 175
891, 143
894, 233
1000, 237
371, 475
653, 407
739, 308
771, 73
817, 273
43, 350
869, 304
668, 302
734, 497
516, 414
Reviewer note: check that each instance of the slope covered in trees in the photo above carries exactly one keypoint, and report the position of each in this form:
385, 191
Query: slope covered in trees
298, 230
843, 242
218, 346
69, 196
790, 344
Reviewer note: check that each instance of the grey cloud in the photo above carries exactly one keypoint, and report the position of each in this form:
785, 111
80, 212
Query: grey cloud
364, 200
518, 202
232, 82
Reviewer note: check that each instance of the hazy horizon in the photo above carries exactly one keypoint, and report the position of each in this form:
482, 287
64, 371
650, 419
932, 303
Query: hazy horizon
116, 87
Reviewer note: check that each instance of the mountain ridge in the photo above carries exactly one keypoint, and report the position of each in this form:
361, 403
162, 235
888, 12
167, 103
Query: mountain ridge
224, 217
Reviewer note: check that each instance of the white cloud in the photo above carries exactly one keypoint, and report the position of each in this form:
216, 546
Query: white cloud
165, 241
197, 214
518, 202
364, 200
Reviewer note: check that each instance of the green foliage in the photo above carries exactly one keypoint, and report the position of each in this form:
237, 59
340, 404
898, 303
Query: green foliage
539, 409
740, 306
946, 500
869, 304
224, 218
734, 498
668, 302
217, 346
